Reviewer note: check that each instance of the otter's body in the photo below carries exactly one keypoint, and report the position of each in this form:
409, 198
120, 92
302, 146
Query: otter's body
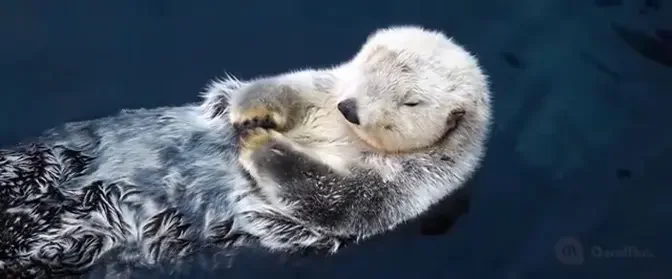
152, 181
150, 186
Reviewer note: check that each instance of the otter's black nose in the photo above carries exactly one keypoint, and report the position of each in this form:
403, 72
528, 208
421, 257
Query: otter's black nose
348, 108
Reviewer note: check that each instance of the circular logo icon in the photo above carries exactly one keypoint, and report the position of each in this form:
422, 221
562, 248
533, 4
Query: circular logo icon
569, 251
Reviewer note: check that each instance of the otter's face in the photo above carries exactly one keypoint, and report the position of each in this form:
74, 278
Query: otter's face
397, 107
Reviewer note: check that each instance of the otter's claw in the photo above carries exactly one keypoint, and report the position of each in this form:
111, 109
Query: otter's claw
264, 122
258, 117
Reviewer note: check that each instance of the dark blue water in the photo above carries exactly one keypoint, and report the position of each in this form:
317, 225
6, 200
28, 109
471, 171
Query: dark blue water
577, 180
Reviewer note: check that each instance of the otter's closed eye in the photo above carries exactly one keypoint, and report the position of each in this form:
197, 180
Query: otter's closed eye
412, 103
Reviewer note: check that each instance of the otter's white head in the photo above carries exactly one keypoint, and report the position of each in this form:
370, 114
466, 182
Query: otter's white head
408, 87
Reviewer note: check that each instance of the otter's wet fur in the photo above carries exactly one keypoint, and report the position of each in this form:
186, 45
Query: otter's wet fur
150, 186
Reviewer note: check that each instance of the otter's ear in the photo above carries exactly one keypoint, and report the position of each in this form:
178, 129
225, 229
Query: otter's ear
217, 94
455, 117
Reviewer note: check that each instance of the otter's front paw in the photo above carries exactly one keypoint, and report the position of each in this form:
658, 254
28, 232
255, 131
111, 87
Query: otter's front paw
254, 139
259, 116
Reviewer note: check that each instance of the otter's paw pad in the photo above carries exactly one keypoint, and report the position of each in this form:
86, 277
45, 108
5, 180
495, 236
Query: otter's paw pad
254, 138
258, 117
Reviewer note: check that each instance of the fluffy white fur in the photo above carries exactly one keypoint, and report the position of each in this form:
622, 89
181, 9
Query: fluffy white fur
149, 187
424, 110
